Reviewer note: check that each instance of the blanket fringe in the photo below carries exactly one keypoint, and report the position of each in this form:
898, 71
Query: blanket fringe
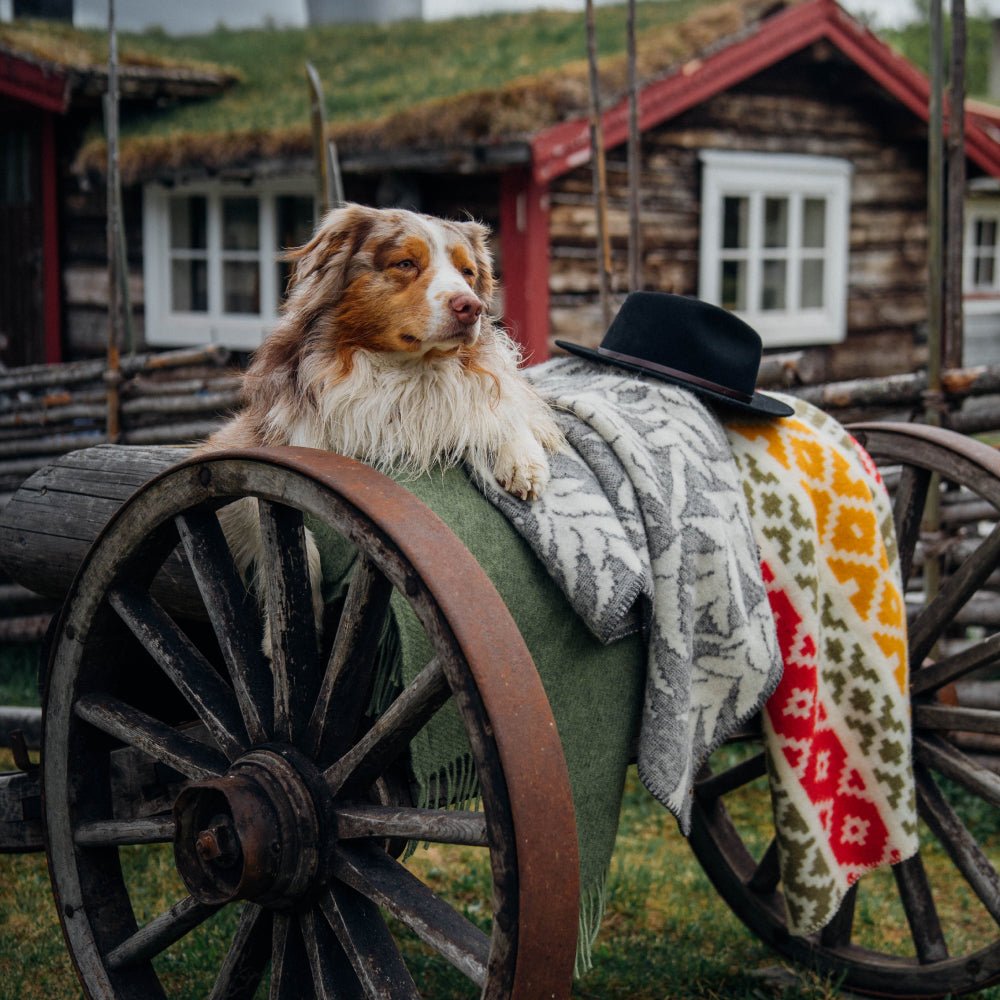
593, 900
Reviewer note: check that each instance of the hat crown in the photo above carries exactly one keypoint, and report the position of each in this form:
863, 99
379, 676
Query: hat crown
687, 337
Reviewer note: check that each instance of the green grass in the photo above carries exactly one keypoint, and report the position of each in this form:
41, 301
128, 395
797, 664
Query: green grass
373, 70
666, 932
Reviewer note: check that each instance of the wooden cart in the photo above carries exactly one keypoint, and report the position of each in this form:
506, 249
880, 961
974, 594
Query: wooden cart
286, 806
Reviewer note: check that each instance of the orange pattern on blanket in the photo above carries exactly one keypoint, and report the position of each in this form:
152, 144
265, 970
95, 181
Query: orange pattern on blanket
837, 725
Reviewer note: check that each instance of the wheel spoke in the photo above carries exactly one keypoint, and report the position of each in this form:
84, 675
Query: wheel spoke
160, 933
392, 731
379, 966
954, 593
947, 670
950, 717
388, 884
110, 833
245, 962
941, 756
908, 512
193, 676
734, 777
142, 731
291, 978
437, 826
347, 683
767, 874
284, 577
837, 933
921, 913
961, 846
232, 612
333, 975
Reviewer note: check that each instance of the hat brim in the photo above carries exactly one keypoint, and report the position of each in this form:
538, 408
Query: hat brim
761, 404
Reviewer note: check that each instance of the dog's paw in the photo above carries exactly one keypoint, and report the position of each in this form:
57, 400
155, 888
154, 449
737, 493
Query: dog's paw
521, 471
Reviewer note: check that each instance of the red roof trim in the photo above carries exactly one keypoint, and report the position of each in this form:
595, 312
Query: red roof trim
562, 147
27, 82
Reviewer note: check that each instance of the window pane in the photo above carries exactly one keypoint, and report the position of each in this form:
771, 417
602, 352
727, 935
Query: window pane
814, 223
986, 233
776, 222
772, 293
240, 230
735, 223
295, 219
240, 287
189, 286
983, 271
189, 223
734, 284
812, 284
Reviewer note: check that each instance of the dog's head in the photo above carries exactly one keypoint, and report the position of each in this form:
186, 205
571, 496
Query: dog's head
391, 281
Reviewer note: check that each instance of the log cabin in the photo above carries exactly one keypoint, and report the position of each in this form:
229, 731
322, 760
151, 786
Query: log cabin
783, 167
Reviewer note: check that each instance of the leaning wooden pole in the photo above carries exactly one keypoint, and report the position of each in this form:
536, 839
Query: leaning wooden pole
634, 161
317, 114
954, 334
112, 373
599, 172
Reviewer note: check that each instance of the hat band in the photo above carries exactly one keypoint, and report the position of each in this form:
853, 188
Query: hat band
702, 383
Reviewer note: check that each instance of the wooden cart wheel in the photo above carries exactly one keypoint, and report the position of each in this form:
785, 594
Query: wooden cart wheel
894, 935
271, 786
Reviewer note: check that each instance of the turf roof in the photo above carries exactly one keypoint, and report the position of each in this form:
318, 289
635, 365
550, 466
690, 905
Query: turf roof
475, 80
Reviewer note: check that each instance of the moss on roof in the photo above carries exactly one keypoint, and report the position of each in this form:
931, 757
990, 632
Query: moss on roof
64, 47
410, 85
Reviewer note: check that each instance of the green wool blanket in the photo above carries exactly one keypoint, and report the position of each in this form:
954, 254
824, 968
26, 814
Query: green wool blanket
595, 690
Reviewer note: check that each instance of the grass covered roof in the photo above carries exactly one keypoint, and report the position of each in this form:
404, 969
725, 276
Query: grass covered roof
412, 84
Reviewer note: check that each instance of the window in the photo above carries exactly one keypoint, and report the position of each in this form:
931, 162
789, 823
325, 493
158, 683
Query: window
212, 267
982, 229
774, 237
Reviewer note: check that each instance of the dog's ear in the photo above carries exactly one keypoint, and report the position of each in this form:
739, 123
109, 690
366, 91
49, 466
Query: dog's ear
320, 268
479, 236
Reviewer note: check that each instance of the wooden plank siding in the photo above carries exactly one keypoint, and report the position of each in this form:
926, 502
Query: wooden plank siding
815, 104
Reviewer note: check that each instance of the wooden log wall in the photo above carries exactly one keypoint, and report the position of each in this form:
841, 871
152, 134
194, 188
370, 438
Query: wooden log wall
811, 104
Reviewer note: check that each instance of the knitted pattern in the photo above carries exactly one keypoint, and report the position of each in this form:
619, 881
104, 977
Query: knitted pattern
837, 729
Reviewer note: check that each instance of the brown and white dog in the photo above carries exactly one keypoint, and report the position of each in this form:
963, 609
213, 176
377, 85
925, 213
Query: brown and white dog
385, 352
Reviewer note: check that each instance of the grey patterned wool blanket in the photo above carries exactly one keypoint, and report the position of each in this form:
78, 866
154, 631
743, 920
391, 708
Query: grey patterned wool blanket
644, 526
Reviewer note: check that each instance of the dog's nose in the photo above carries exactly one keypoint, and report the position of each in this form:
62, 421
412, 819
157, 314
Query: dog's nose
467, 308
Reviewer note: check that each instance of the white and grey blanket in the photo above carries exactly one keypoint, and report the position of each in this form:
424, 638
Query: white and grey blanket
644, 525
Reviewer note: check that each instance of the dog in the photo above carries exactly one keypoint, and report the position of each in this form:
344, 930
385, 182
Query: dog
386, 352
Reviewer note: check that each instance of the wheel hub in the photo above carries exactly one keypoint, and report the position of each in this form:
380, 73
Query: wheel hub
254, 833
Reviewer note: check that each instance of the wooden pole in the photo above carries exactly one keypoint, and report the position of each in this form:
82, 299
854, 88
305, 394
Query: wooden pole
934, 401
935, 217
952, 352
634, 161
317, 114
112, 374
599, 172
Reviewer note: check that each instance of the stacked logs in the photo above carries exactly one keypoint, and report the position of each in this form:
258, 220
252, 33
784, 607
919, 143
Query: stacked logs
174, 397
170, 397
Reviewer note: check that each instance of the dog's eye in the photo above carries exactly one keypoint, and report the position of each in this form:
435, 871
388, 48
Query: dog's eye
468, 272
405, 265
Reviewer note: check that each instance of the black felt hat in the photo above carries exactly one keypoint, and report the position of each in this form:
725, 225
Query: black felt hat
690, 343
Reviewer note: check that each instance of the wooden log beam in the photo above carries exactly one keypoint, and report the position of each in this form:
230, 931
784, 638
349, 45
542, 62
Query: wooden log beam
51, 522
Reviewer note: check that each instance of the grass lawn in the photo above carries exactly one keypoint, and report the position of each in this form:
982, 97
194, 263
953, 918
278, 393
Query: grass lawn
666, 932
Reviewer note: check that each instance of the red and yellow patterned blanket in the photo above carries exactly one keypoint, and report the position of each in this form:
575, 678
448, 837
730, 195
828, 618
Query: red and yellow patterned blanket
837, 729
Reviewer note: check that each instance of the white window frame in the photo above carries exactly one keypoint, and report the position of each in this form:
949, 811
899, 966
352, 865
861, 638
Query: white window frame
756, 176
981, 210
241, 332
